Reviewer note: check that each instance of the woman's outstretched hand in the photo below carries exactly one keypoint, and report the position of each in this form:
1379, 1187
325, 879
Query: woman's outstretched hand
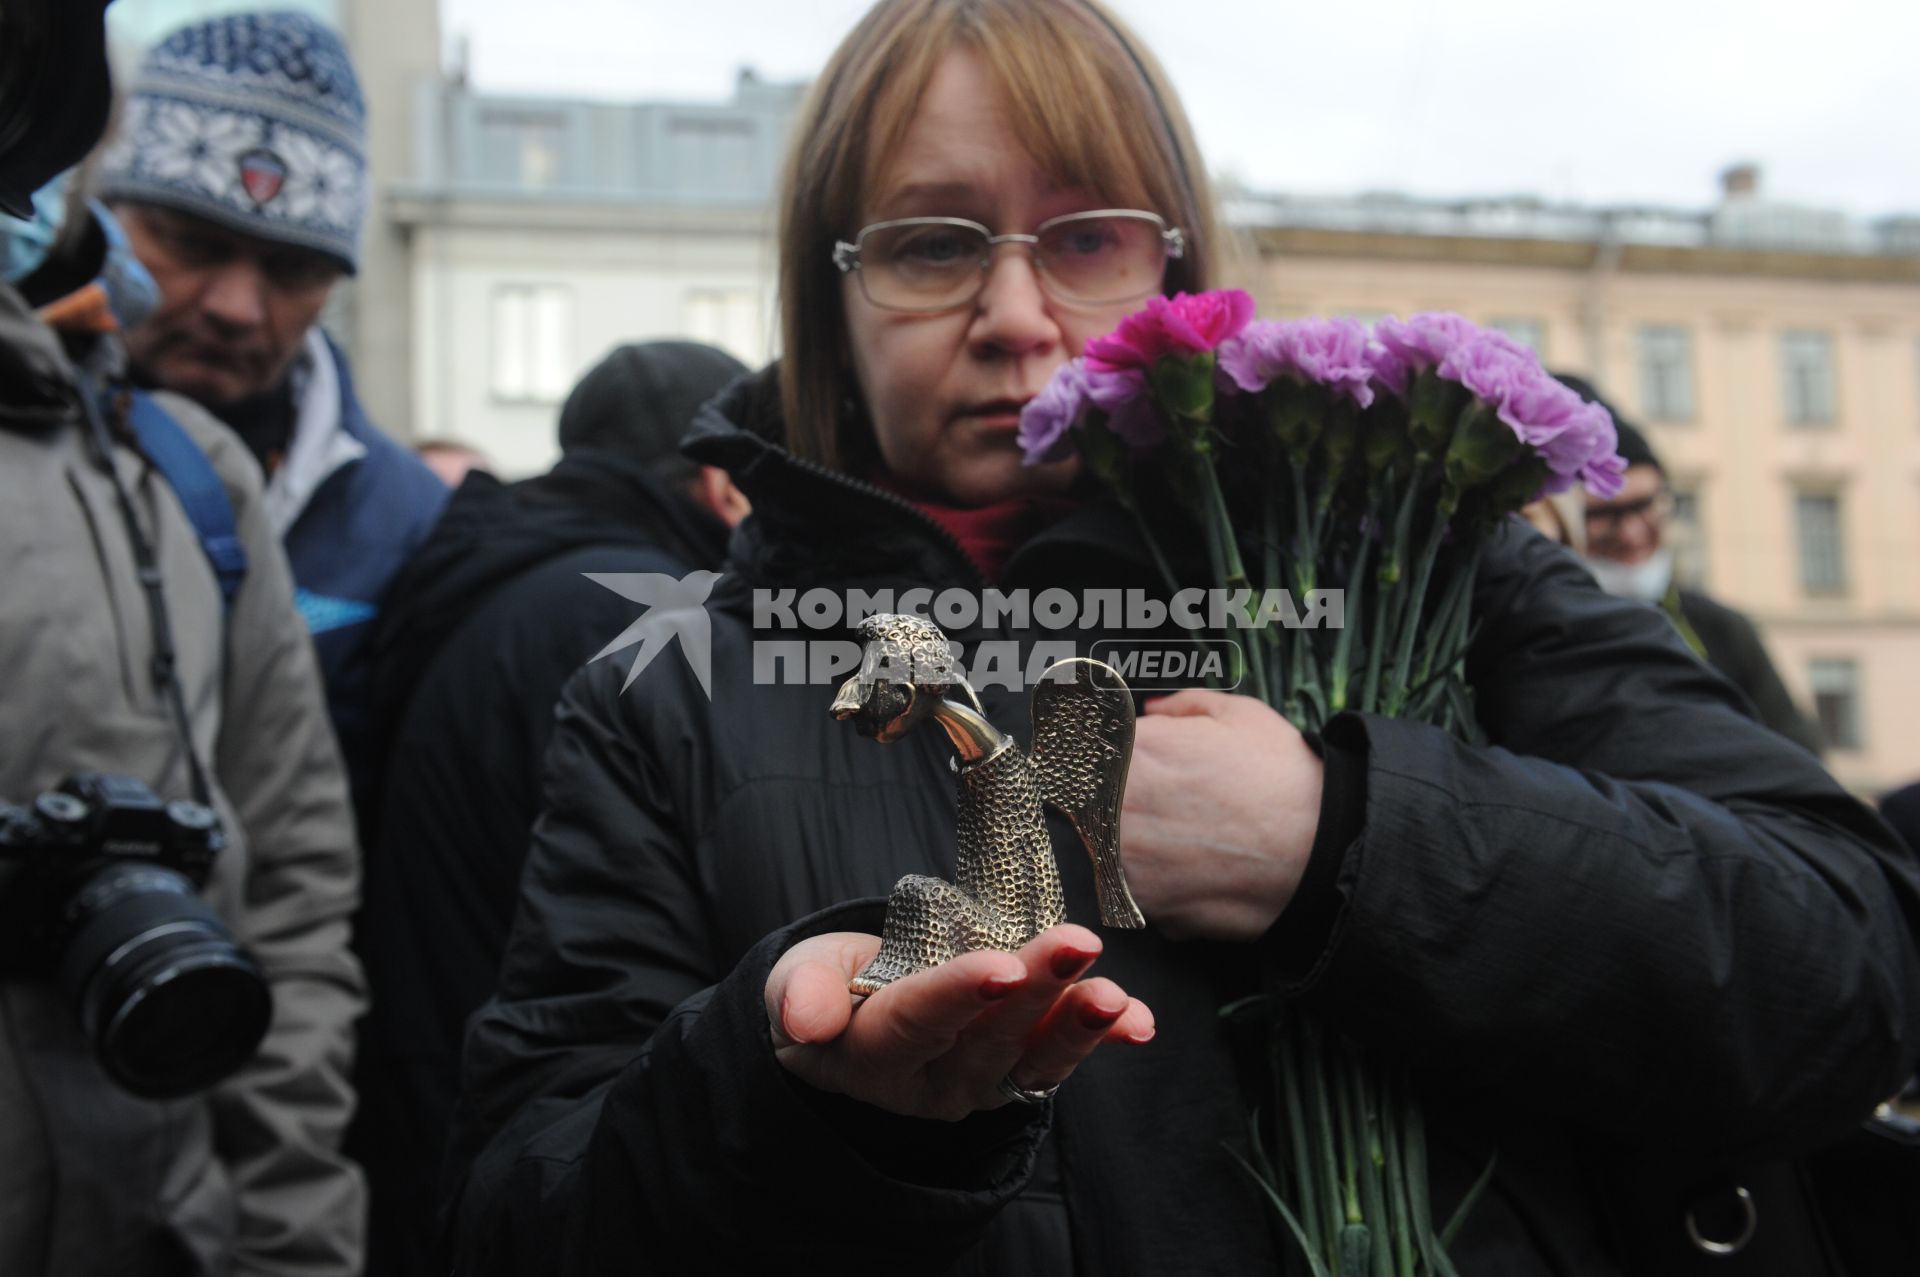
938, 1043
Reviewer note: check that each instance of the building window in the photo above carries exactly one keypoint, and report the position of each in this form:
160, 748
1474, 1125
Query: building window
1806, 364
711, 155
1823, 559
1531, 333
532, 333
728, 318
1836, 701
522, 149
1666, 373
1687, 537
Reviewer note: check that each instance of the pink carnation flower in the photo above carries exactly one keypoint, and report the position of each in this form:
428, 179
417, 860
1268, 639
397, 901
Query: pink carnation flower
1575, 438
1327, 352
1049, 415
1052, 415
1182, 326
1409, 346
1128, 402
1496, 369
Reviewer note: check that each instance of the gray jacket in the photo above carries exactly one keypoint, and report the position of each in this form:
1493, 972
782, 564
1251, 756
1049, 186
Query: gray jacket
246, 1178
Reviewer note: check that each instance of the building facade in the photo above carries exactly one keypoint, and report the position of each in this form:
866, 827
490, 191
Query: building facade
543, 233
1771, 352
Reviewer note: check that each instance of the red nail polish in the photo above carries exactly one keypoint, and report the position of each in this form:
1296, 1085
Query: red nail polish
1099, 1017
994, 990
1069, 963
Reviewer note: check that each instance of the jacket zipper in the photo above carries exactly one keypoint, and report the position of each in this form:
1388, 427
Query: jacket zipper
941, 536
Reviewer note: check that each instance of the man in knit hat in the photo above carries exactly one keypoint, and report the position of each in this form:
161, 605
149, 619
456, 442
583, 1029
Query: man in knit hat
1628, 553
150, 632
240, 174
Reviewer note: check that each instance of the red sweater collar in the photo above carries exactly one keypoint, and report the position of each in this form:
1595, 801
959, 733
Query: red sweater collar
988, 533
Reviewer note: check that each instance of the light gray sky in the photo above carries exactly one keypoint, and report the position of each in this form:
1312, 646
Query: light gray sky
1627, 101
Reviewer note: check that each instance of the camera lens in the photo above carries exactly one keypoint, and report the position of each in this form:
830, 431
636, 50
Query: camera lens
171, 1003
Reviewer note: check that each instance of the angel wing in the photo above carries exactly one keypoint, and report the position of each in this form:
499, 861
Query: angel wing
1082, 743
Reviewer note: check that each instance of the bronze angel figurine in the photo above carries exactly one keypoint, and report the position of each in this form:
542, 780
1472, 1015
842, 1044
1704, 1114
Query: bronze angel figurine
1008, 887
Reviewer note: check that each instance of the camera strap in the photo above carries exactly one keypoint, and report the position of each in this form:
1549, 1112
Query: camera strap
166, 676
194, 480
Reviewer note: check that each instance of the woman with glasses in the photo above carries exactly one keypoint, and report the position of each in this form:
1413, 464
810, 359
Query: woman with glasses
1634, 941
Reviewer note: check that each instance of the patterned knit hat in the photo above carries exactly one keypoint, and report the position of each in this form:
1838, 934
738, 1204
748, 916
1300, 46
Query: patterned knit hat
254, 121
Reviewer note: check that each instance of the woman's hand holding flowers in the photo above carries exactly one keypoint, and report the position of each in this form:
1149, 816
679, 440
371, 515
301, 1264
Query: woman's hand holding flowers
1222, 804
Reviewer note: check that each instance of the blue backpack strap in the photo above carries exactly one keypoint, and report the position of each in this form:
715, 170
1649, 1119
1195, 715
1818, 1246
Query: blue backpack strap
193, 479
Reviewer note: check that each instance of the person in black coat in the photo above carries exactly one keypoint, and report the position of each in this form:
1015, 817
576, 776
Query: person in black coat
1627, 551
489, 620
1637, 944
1901, 809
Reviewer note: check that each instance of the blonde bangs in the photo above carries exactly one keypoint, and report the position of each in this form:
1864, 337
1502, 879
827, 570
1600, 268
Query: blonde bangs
1082, 118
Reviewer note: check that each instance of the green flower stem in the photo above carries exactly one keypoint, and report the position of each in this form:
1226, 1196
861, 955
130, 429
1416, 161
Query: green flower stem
1348, 1123
1402, 541
1453, 621
1225, 549
1354, 1101
1153, 548
1315, 1264
1276, 638
1308, 557
1415, 1158
1386, 603
1293, 1069
1307, 700
1211, 527
1343, 645
1322, 1129
1159, 558
1400, 1209
1416, 601
1369, 1096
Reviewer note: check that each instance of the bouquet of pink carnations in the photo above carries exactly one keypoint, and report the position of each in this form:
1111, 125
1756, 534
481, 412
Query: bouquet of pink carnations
1318, 456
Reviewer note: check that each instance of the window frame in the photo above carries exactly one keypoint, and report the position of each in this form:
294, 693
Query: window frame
532, 389
1657, 405
1809, 415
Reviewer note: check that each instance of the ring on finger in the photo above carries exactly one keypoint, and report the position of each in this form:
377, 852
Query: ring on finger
1021, 1095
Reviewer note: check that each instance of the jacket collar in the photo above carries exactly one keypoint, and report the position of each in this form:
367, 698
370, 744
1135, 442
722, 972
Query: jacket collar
37, 380
323, 441
811, 524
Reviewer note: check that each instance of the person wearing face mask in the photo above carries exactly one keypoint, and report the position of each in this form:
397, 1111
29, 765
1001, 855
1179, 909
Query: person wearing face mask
1639, 945
148, 630
1629, 555
239, 170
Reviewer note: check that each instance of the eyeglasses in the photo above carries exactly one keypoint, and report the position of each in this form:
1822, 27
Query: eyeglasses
1607, 520
930, 264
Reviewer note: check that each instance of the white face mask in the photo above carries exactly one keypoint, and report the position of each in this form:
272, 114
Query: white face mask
1646, 581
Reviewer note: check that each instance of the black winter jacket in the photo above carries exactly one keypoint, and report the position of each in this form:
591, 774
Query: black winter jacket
1637, 944
482, 630
1734, 647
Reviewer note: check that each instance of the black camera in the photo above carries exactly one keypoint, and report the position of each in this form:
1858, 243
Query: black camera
99, 890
